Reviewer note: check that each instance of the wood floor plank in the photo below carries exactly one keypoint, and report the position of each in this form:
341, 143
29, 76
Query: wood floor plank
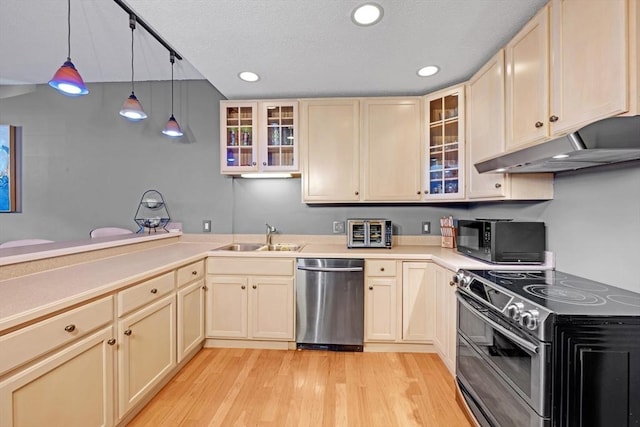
250, 387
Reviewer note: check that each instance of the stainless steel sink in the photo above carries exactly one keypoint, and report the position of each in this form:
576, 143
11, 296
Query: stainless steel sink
281, 247
241, 247
251, 247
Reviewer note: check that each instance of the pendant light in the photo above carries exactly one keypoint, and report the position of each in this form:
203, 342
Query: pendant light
172, 127
67, 80
132, 109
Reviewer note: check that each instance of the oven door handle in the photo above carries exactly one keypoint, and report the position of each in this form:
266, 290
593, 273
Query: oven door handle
520, 341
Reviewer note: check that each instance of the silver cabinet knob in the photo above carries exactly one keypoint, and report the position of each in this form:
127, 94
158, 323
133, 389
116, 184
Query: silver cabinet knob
264, 163
498, 185
539, 124
111, 341
154, 291
452, 283
127, 332
253, 164
70, 328
553, 119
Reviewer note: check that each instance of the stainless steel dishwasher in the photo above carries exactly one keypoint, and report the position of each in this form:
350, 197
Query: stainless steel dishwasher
330, 304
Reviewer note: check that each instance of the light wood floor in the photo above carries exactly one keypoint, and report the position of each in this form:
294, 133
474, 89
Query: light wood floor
248, 387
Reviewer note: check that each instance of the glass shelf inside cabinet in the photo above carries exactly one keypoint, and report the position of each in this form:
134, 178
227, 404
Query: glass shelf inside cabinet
280, 136
444, 148
239, 140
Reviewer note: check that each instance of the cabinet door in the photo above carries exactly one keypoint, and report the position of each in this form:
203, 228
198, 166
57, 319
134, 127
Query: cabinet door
272, 308
238, 152
589, 64
330, 134
190, 318
527, 73
73, 387
485, 130
278, 136
443, 170
445, 320
227, 307
147, 350
380, 309
418, 303
392, 145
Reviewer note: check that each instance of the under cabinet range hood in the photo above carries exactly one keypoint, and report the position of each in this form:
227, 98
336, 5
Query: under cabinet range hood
607, 141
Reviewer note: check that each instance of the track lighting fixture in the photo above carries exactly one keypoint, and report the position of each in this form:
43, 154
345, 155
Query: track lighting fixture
172, 127
132, 108
67, 80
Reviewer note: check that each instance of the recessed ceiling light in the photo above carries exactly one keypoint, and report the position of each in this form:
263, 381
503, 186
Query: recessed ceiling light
367, 14
248, 76
427, 71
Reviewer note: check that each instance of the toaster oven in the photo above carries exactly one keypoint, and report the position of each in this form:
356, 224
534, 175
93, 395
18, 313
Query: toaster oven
369, 233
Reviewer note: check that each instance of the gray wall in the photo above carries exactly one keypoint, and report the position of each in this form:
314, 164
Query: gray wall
84, 166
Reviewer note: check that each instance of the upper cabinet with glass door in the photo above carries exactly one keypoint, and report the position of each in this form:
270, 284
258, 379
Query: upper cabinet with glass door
278, 136
238, 124
444, 112
258, 136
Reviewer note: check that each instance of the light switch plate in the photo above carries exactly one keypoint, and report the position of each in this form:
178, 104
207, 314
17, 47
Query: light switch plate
206, 226
338, 227
426, 227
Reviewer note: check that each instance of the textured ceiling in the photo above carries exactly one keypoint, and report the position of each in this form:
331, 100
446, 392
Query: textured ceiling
300, 48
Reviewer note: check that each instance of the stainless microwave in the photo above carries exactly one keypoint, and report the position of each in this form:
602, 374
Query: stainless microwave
502, 241
369, 233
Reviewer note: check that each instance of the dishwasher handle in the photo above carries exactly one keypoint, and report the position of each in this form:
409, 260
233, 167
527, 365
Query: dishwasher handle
331, 269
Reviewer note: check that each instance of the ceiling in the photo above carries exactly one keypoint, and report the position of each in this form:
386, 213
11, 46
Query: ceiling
300, 48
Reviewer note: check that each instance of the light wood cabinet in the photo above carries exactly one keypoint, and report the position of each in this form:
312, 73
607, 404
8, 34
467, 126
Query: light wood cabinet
147, 350
258, 136
486, 138
361, 150
445, 134
190, 308
250, 299
381, 300
392, 149
527, 77
418, 302
330, 132
445, 320
590, 61
72, 387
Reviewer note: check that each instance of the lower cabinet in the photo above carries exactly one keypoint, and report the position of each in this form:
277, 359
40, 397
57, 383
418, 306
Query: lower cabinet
190, 308
71, 387
252, 299
147, 350
380, 299
418, 303
446, 315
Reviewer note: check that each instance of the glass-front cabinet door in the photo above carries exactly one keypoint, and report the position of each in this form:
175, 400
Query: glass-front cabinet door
278, 136
238, 124
445, 144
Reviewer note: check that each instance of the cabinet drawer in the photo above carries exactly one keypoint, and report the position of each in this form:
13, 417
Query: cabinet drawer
28, 343
380, 268
250, 266
144, 293
190, 272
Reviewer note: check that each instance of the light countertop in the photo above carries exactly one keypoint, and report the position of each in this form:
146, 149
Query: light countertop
24, 299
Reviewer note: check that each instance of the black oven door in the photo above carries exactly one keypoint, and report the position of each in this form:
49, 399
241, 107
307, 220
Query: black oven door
504, 372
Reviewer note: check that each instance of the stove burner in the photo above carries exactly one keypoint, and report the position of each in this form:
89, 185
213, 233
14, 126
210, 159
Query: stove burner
507, 275
626, 300
585, 286
564, 295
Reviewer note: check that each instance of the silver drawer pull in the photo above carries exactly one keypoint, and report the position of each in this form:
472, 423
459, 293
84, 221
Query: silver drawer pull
154, 291
70, 328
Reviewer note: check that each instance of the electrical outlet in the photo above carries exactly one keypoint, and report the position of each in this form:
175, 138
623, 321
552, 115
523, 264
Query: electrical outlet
338, 227
206, 226
426, 227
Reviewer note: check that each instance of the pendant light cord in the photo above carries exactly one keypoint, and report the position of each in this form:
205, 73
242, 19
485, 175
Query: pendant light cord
172, 59
69, 30
132, 25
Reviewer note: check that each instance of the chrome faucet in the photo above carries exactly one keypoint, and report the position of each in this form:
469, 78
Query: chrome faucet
270, 231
